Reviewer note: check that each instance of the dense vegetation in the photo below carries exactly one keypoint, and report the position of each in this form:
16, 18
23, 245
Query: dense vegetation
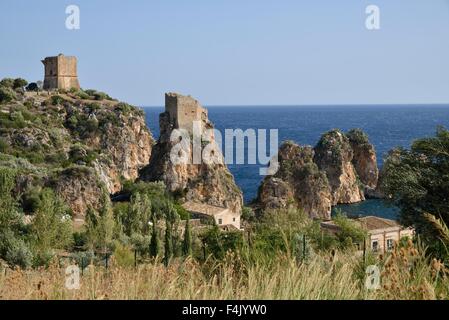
417, 180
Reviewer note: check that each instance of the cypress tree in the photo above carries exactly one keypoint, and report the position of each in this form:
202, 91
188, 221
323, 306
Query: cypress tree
154, 243
187, 243
168, 252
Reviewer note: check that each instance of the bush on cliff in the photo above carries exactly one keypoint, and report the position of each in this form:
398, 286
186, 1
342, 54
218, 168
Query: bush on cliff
7, 94
416, 180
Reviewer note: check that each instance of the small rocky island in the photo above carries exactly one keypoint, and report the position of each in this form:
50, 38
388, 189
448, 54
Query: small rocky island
204, 183
342, 168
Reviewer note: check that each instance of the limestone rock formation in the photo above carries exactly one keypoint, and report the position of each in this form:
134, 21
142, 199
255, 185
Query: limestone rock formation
298, 182
334, 155
44, 134
340, 169
193, 180
364, 159
80, 188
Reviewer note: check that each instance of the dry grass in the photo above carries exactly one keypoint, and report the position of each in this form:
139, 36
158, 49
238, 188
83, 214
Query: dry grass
406, 274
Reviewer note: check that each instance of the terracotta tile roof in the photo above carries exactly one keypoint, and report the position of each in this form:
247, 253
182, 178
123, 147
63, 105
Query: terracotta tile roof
369, 223
375, 223
203, 208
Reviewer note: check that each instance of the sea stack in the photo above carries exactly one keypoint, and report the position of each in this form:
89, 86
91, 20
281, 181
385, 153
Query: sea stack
204, 183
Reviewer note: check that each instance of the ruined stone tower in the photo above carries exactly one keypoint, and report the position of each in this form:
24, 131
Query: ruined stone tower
183, 110
60, 73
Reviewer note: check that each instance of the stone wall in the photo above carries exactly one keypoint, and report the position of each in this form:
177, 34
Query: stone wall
183, 110
60, 73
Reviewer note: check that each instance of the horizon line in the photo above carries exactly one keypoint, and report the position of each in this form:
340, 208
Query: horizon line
313, 105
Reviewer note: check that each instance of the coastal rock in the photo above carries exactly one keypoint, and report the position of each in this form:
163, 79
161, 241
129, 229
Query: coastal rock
194, 179
334, 155
298, 182
80, 188
49, 132
364, 160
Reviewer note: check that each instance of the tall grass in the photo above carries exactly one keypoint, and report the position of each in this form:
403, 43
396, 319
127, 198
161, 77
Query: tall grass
406, 274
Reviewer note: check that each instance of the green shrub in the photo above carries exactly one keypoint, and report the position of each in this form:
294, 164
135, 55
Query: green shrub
18, 121
31, 199
79, 239
19, 254
56, 158
81, 94
57, 100
248, 214
183, 213
7, 83
97, 95
7, 94
52, 227
349, 232
19, 83
124, 108
4, 146
124, 255
140, 243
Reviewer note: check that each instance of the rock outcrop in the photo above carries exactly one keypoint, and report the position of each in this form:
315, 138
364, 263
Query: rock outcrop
334, 155
298, 182
364, 160
80, 188
44, 134
340, 169
193, 179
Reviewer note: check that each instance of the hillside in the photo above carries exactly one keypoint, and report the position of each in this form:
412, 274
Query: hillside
79, 143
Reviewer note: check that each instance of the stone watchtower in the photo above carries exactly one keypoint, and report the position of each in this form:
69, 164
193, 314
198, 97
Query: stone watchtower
183, 110
60, 73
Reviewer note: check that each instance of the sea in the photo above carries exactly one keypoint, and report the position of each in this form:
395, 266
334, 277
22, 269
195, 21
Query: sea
387, 126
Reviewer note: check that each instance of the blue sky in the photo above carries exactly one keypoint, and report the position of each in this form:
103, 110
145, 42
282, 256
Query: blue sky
238, 52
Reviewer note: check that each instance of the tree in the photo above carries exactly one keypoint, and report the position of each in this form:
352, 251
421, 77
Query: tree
19, 83
51, 228
417, 181
91, 223
154, 243
168, 245
106, 224
187, 242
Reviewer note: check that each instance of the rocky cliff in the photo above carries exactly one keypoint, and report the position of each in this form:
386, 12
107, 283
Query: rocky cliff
340, 169
204, 182
298, 182
364, 159
334, 155
80, 143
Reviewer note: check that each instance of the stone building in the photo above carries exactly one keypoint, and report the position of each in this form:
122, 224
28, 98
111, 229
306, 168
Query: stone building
223, 217
60, 73
382, 233
184, 110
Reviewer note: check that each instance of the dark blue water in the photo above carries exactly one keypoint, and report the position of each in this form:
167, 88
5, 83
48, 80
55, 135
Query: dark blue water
387, 127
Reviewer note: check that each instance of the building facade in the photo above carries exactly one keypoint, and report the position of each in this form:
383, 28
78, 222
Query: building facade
382, 233
60, 73
223, 217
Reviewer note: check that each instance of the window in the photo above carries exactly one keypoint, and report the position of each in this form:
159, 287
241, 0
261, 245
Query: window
375, 245
220, 221
390, 244
233, 219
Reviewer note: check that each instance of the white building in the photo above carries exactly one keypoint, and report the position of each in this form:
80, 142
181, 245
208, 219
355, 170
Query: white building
222, 216
382, 233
